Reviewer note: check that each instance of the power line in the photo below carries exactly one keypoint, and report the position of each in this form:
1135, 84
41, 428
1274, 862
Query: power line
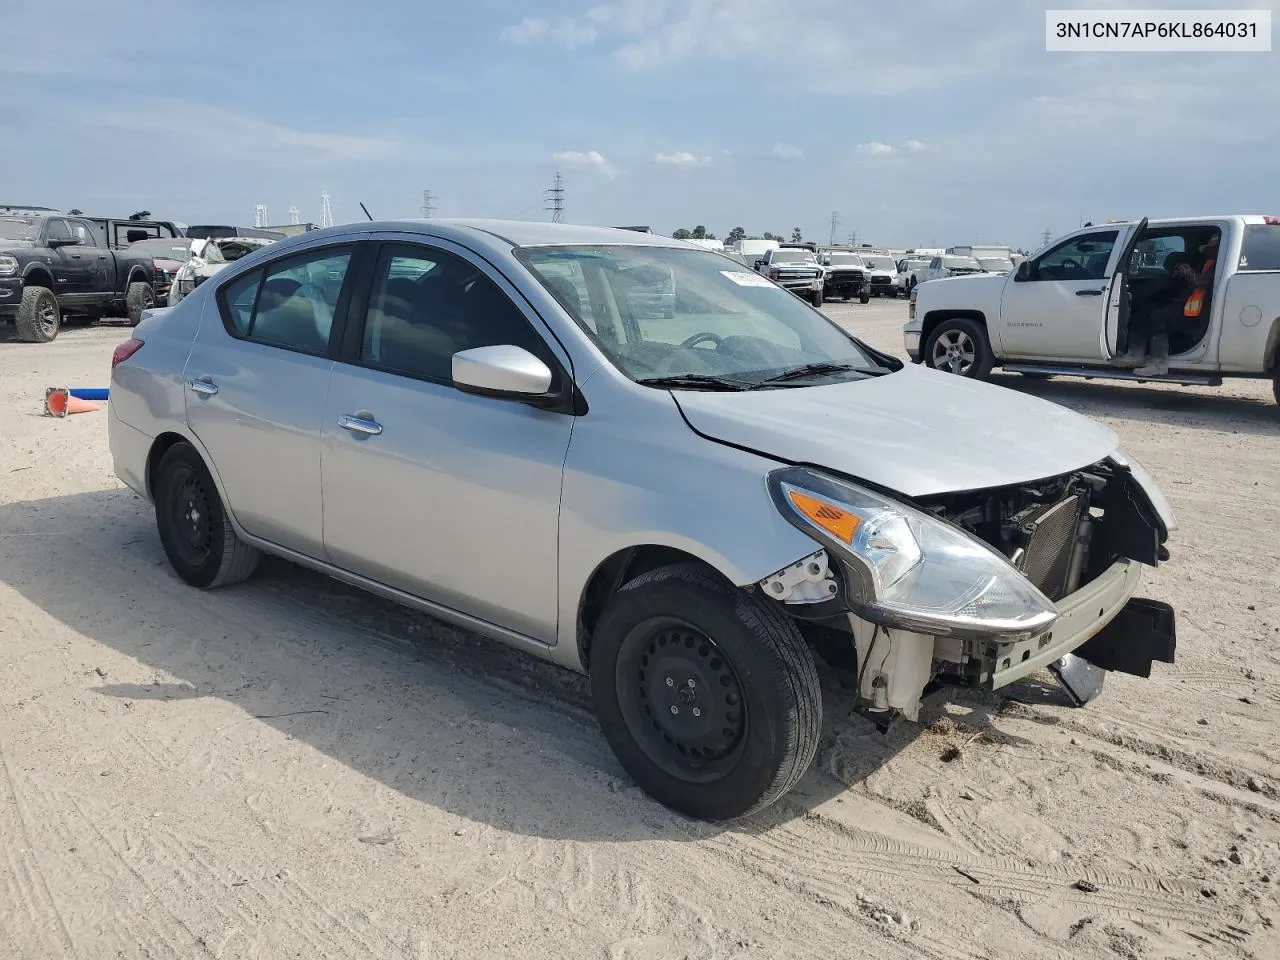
428, 204
555, 199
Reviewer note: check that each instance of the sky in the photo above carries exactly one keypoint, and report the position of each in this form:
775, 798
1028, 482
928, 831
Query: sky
929, 123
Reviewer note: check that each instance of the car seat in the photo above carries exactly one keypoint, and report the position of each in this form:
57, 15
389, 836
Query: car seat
290, 320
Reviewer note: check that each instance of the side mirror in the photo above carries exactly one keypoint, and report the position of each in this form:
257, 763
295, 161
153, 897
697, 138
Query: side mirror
501, 371
1024, 271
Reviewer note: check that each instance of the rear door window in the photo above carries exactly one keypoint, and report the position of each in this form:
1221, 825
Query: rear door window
288, 304
1260, 248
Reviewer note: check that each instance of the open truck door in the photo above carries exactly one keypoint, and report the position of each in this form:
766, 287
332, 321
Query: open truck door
1115, 329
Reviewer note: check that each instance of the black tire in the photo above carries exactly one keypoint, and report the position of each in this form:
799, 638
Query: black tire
817, 298
864, 297
1275, 387
759, 693
199, 541
140, 296
39, 316
959, 346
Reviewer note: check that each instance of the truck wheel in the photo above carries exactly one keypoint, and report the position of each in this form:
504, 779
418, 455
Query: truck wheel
865, 296
199, 541
1275, 387
139, 297
817, 298
959, 346
38, 316
708, 695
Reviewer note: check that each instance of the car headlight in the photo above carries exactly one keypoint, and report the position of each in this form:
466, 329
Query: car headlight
908, 569
8, 266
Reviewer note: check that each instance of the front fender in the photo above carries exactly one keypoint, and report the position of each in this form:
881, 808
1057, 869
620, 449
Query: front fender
653, 481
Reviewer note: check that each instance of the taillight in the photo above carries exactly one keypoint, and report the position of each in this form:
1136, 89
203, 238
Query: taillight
125, 351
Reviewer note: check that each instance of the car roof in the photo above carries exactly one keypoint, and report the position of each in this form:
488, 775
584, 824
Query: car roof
528, 233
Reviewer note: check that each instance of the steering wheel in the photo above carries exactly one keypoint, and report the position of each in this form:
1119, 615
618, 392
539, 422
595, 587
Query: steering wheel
1073, 265
698, 338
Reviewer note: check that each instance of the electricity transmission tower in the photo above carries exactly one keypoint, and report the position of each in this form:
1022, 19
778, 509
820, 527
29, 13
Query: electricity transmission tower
835, 225
428, 204
555, 199
326, 212
1046, 237
853, 239
260, 216
295, 216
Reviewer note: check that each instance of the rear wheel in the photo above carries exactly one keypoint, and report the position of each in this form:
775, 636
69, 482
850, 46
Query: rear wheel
709, 696
959, 346
197, 537
38, 317
817, 298
139, 297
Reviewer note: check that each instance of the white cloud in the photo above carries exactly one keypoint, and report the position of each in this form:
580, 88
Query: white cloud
875, 149
527, 30
209, 131
682, 159
913, 146
585, 160
569, 32
786, 151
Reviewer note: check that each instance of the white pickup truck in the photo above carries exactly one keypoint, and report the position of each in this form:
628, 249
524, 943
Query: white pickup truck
1067, 310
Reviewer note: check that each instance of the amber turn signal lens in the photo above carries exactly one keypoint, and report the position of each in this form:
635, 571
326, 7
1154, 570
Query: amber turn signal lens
840, 523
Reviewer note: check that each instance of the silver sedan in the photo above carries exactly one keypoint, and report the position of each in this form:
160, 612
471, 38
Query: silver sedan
641, 460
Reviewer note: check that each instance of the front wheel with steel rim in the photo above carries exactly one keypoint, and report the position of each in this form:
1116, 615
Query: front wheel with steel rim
959, 346
708, 695
202, 546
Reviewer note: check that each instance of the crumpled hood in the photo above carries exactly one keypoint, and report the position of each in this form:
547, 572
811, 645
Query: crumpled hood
917, 432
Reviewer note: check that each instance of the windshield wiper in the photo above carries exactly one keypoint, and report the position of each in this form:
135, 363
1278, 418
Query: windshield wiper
817, 370
696, 381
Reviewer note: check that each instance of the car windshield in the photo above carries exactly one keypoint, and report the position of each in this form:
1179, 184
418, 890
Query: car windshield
792, 256
995, 264
879, 263
848, 259
667, 314
19, 228
166, 248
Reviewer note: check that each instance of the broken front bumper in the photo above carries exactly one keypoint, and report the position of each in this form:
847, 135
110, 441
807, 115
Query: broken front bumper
1085, 627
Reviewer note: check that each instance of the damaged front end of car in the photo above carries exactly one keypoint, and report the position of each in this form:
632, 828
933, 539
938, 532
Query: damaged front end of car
980, 588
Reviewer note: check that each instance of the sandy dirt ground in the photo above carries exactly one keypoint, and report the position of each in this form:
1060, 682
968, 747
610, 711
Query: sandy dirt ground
290, 768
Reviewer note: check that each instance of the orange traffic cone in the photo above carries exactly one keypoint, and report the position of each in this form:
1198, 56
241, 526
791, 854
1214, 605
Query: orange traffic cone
58, 402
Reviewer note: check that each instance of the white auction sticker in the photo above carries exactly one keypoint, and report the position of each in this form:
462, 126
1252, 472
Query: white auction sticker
744, 279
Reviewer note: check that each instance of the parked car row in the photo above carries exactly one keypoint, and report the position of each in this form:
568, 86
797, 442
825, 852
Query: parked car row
56, 267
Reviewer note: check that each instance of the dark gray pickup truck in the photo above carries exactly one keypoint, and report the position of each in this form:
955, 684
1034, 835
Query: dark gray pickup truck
53, 266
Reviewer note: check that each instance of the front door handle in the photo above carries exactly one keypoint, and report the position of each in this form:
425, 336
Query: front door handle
203, 386
360, 425
1088, 293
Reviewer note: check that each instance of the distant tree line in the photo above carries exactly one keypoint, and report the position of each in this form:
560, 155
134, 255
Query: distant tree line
735, 235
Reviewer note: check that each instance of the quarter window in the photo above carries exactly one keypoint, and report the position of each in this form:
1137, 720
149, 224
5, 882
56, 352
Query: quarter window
1080, 258
428, 304
1260, 249
290, 304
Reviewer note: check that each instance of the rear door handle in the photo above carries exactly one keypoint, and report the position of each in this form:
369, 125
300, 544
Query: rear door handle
360, 425
203, 386
1088, 293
